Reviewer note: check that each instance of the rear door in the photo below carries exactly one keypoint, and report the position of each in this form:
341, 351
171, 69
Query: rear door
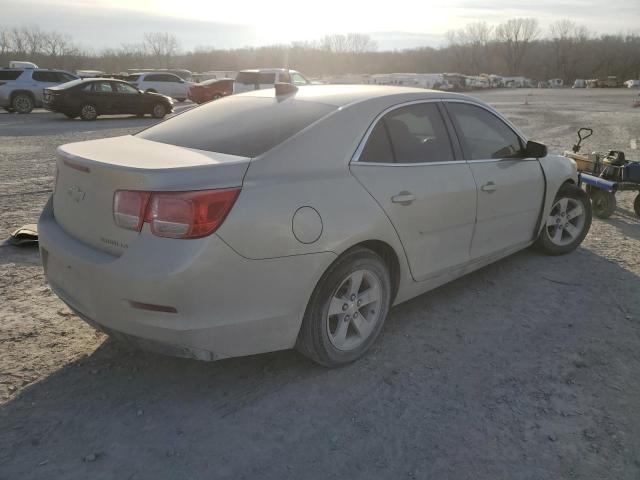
103, 97
409, 167
510, 186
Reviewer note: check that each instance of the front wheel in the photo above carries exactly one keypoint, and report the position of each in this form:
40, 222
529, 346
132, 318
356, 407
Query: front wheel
159, 110
604, 203
568, 222
347, 309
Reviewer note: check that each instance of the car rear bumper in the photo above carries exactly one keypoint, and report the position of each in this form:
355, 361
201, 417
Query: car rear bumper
225, 305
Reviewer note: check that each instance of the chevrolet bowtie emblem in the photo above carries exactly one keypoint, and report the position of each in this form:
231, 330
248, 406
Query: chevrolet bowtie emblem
76, 193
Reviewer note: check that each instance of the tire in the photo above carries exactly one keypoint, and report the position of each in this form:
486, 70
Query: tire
22, 103
71, 116
159, 110
568, 222
604, 203
636, 205
88, 112
335, 339
181, 99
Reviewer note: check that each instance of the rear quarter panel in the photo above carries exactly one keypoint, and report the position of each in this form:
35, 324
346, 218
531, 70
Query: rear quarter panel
311, 169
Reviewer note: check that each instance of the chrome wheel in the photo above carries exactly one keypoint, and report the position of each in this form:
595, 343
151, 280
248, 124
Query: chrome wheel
566, 221
88, 112
354, 310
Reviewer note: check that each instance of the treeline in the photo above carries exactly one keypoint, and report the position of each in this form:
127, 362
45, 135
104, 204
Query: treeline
516, 47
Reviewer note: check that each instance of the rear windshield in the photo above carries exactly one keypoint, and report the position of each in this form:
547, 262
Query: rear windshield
243, 126
9, 74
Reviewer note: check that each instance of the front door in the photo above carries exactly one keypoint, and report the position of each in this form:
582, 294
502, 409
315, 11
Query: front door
510, 186
407, 164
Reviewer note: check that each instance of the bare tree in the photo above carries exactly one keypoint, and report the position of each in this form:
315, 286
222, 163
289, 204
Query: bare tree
5, 40
569, 40
162, 46
516, 36
350, 43
476, 37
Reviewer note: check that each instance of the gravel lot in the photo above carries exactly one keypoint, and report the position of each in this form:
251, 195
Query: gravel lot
526, 369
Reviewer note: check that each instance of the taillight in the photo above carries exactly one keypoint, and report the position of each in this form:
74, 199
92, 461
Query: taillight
129, 207
174, 214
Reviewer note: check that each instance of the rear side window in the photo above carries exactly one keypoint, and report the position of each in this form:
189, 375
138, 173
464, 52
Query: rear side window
243, 126
10, 74
483, 135
247, 78
268, 78
378, 147
416, 134
102, 87
154, 78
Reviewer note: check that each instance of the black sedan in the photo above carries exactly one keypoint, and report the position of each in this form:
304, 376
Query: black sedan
104, 96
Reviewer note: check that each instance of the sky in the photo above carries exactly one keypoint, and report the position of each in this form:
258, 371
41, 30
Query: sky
237, 23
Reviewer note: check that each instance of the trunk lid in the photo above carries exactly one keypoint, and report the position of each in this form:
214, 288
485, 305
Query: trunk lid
90, 172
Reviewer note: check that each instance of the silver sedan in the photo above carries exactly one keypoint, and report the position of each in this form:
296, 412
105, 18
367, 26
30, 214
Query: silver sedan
296, 217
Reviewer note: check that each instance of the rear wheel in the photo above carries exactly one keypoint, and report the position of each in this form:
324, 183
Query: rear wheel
347, 309
568, 222
88, 112
604, 203
159, 110
22, 103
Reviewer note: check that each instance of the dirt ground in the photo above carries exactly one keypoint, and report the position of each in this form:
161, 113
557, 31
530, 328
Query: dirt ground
526, 369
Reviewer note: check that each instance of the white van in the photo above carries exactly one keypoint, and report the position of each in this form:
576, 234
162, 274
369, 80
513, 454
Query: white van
259, 79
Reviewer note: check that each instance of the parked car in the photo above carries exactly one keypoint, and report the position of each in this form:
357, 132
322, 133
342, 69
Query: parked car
210, 90
579, 83
296, 217
21, 88
89, 98
164, 83
556, 83
247, 80
632, 84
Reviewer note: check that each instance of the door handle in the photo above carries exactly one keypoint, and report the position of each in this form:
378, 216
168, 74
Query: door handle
403, 198
488, 187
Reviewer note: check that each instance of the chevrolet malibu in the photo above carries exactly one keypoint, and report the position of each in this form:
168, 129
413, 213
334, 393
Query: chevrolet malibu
296, 217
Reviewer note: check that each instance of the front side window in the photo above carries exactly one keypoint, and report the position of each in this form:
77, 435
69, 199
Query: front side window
299, 79
47, 77
247, 78
416, 133
482, 134
102, 87
125, 88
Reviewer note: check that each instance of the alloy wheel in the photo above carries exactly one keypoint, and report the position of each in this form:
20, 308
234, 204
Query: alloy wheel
566, 221
354, 310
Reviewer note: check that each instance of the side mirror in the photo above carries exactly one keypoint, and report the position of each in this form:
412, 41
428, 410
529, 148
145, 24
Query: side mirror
535, 150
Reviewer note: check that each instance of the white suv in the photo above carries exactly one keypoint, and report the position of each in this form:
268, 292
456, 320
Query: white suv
21, 89
247, 80
164, 83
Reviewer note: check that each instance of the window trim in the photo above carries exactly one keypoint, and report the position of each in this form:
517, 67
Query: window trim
355, 158
511, 126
